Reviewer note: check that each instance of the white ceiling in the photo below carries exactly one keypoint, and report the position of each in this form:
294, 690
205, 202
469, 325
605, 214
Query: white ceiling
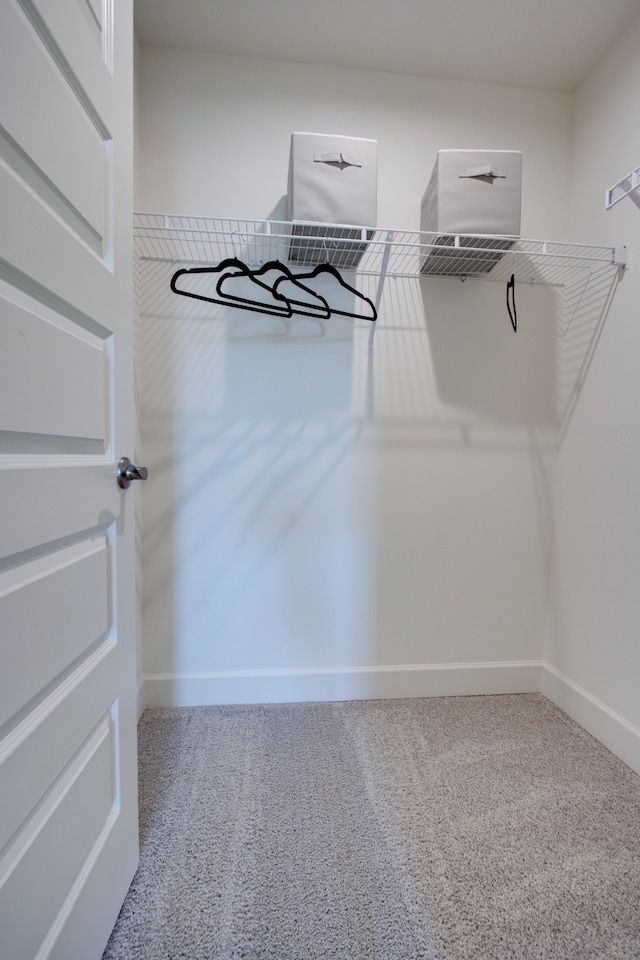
547, 44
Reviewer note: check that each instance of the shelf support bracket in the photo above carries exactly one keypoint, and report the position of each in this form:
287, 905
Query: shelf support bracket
383, 275
621, 257
628, 185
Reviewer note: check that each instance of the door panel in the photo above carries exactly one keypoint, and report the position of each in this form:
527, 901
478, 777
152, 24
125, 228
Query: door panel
82, 32
81, 488
68, 801
70, 278
45, 866
58, 634
73, 164
56, 729
55, 374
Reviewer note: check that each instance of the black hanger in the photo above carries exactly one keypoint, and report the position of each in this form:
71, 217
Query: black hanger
275, 309
511, 289
330, 269
322, 311
302, 307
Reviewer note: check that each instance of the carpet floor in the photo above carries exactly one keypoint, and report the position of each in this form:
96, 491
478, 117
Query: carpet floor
456, 828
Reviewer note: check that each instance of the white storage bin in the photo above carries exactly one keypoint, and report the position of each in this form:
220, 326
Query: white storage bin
332, 180
472, 192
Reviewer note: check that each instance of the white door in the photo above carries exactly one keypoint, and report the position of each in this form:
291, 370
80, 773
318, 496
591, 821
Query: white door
68, 814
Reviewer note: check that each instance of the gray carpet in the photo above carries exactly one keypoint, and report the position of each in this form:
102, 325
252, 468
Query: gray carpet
449, 828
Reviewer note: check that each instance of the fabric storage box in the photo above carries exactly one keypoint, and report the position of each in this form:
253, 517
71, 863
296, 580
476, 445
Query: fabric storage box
472, 192
334, 180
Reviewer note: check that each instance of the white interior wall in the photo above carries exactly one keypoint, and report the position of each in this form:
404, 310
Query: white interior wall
592, 644
216, 133
319, 522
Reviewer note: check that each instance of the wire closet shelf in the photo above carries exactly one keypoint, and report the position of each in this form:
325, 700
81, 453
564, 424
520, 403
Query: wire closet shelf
377, 252
372, 251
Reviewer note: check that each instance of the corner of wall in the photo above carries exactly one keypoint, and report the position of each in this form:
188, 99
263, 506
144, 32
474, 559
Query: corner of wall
603, 723
591, 637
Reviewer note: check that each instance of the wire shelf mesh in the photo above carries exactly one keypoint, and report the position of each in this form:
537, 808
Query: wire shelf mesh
399, 253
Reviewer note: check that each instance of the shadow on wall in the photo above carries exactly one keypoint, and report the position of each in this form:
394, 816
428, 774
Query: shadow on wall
464, 416
313, 506
533, 377
585, 307
250, 538
471, 413
480, 364
287, 368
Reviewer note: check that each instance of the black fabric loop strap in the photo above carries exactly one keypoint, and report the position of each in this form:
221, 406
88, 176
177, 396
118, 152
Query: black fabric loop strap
511, 302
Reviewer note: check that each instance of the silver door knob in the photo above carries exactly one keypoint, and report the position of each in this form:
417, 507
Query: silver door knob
128, 471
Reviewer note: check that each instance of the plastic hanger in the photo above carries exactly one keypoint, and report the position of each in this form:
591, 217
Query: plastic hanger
302, 307
278, 309
281, 306
330, 269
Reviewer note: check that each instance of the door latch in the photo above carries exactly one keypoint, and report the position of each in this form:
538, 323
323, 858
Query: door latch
128, 471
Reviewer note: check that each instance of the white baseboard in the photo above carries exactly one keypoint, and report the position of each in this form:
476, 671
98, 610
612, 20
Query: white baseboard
349, 683
390, 682
141, 697
612, 730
